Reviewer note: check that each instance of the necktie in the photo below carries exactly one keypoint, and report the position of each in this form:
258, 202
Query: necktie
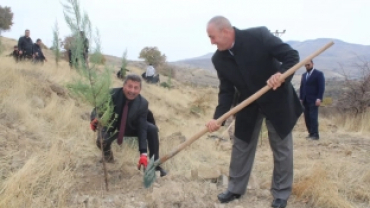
231, 52
123, 123
308, 75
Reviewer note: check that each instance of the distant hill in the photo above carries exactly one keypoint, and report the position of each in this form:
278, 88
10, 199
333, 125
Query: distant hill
199, 71
340, 53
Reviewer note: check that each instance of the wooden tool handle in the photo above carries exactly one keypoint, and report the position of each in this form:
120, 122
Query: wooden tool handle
243, 104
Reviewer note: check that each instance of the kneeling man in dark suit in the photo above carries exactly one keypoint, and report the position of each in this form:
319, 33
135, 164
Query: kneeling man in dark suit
134, 119
247, 60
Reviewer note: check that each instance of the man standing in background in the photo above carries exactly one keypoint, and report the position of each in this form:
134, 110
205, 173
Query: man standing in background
25, 46
73, 49
311, 95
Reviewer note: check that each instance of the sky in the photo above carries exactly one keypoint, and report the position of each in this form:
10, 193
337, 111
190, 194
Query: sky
178, 27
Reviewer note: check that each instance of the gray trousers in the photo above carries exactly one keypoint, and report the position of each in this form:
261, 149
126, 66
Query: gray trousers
243, 155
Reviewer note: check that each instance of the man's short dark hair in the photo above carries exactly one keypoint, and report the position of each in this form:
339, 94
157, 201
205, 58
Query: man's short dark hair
132, 77
38, 40
311, 61
27, 30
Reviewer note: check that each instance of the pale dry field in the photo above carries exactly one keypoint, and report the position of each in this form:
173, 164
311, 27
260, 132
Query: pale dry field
48, 156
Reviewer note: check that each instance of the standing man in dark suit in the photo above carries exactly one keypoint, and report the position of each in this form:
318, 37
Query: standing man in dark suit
73, 49
25, 46
311, 93
247, 60
85, 52
134, 119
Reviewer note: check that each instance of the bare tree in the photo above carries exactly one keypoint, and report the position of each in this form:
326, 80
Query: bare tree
356, 95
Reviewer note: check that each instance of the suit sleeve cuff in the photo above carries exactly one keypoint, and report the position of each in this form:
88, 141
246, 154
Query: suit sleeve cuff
143, 151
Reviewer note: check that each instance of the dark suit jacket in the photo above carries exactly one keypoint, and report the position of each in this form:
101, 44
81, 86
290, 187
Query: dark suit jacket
26, 45
313, 88
257, 56
136, 119
37, 49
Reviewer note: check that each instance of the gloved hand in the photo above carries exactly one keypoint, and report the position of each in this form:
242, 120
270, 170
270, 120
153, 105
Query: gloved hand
143, 161
94, 124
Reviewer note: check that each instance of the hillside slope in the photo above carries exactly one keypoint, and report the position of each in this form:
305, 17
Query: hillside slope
48, 155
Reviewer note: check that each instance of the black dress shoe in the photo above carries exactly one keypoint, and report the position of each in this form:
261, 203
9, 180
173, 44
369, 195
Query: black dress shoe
227, 196
161, 171
279, 203
314, 137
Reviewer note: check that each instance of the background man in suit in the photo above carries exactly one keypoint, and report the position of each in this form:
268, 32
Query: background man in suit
85, 52
73, 49
311, 94
38, 55
134, 119
25, 46
246, 60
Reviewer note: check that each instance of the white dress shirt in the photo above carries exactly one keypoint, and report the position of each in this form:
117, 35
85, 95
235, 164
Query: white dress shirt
231, 48
309, 73
150, 71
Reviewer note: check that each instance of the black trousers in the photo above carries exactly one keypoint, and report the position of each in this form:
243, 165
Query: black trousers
311, 116
152, 138
84, 55
38, 60
25, 56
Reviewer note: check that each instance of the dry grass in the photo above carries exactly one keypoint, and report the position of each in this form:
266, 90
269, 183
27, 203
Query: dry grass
48, 156
351, 123
346, 120
44, 179
331, 183
37, 141
322, 191
333, 171
200, 104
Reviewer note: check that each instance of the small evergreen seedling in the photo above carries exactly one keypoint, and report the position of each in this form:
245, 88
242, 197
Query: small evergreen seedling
93, 84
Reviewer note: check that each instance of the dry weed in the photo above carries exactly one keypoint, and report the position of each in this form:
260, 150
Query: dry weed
349, 122
322, 191
45, 178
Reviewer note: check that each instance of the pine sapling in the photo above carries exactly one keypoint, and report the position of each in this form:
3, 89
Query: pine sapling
56, 43
92, 85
